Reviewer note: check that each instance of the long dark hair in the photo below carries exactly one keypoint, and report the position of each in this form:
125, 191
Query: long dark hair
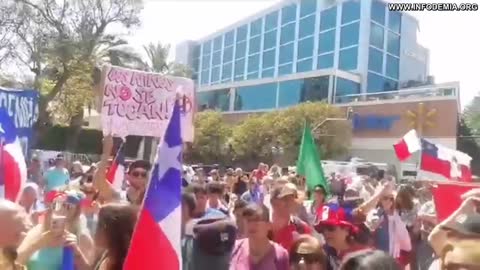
117, 222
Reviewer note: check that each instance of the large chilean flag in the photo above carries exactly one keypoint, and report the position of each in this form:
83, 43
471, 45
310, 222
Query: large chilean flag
13, 169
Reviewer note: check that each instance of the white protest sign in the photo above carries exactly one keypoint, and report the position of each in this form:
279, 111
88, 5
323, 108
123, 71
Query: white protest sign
141, 103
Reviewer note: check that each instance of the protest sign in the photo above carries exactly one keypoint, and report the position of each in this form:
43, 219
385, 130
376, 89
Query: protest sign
141, 103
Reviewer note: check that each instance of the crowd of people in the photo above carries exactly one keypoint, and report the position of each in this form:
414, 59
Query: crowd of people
265, 219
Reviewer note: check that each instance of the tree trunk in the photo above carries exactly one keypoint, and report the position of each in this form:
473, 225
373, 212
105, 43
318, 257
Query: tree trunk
76, 124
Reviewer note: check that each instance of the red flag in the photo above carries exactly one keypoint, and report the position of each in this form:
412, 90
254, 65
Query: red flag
447, 198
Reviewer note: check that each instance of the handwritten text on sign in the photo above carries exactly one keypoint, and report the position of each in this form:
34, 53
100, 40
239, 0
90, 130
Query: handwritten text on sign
141, 103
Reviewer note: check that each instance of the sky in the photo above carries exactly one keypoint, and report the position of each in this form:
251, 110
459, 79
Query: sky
452, 37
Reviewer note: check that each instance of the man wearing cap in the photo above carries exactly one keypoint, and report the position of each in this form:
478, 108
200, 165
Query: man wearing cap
286, 226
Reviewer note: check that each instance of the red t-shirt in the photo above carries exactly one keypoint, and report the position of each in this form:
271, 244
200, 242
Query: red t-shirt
288, 234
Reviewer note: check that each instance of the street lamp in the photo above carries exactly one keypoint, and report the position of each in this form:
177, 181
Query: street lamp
348, 117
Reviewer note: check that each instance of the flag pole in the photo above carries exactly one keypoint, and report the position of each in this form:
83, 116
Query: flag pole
419, 160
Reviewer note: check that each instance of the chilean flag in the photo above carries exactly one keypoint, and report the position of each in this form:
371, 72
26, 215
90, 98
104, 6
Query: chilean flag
116, 172
409, 144
13, 169
156, 241
446, 162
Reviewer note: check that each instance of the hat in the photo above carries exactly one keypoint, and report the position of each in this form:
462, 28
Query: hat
283, 191
319, 188
215, 235
466, 224
335, 215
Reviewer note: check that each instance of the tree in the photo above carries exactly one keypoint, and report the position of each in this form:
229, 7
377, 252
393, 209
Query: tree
158, 57
471, 115
211, 139
57, 39
466, 143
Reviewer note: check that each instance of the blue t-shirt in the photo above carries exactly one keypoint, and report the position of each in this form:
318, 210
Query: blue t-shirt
55, 178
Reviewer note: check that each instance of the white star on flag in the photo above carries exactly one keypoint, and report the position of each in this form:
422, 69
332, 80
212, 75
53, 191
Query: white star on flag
2, 131
169, 158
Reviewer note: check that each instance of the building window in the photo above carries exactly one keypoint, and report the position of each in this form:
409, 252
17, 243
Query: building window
242, 33
375, 83
253, 62
349, 35
307, 7
254, 45
270, 39
217, 43
271, 21
268, 73
348, 59
346, 87
325, 61
298, 91
214, 100
240, 50
196, 63
229, 38
288, 33
395, 21
215, 74
285, 69
228, 54
304, 65
256, 27
252, 76
268, 59
305, 48
375, 60
206, 61
196, 51
289, 93
392, 66
217, 58
326, 42
227, 72
390, 85
328, 18
393, 43
350, 11
307, 26
239, 67
207, 47
376, 35
378, 12
289, 13
255, 97
239, 78
286, 53
204, 77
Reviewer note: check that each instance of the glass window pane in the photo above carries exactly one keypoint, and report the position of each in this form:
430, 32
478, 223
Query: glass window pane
268, 59
304, 65
256, 97
205, 76
288, 33
378, 12
307, 26
256, 27
305, 48
375, 60
346, 87
215, 74
392, 66
252, 76
217, 57
390, 85
307, 7
207, 47
326, 42
196, 63
297, 91
206, 61
348, 59
289, 13
239, 78
350, 11
239, 67
196, 51
325, 61
229, 38
375, 83
328, 18
240, 49
253, 62
289, 93
268, 73
376, 36
395, 21
227, 71
286, 53
349, 35
270, 39
214, 100
393, 43
271, 21
241, 33
228, 54
254, 45
217, 43
285, 69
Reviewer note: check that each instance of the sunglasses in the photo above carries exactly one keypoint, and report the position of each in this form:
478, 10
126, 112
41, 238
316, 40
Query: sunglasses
139, 174
311, 258
387, 199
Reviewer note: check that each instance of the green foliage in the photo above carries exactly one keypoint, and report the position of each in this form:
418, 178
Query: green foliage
471, 115
466, 143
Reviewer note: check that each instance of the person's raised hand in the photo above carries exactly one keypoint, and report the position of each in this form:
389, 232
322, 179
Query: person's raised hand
472, 193
69, 239
469, 205
387, 188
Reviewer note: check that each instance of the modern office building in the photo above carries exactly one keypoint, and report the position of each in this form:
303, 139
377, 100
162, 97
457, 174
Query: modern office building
302, 50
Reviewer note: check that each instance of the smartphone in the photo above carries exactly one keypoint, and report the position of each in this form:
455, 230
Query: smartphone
57, 224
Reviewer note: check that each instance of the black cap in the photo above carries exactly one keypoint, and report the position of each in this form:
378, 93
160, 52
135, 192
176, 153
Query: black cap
468, 225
